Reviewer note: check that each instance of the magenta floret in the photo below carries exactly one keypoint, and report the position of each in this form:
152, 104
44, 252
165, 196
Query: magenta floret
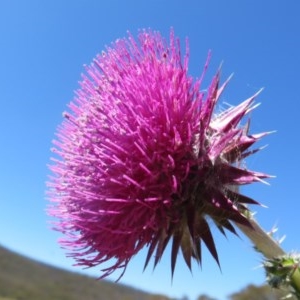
143, 158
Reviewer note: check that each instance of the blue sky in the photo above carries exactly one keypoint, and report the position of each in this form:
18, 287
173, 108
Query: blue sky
43, 47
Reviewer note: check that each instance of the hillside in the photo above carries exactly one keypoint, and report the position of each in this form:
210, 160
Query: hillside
24, 279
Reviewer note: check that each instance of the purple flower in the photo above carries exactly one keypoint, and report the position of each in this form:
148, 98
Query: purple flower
143, 158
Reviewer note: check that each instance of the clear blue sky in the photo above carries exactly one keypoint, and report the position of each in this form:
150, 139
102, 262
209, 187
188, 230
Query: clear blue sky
43, 47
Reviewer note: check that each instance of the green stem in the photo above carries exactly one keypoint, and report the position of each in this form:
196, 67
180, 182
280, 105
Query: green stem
296, 281
265, 244
261, 240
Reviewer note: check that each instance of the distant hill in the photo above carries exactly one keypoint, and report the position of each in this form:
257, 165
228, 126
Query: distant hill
22, 278
264, 292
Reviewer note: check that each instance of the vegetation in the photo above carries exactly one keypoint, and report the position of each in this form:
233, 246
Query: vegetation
25, 279
253, 292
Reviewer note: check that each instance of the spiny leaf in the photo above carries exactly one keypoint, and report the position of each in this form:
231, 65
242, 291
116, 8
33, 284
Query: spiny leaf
175, 247
197, 250
224, 223
240, 198
151, 249
205, 234
186, 247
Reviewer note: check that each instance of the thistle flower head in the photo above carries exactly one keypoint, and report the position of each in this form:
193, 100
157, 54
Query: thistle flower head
144, 160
